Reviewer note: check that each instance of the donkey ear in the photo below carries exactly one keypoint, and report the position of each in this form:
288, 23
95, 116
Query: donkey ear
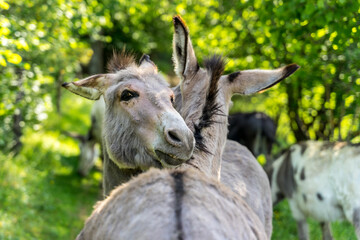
92, 87
147, 65
252, 81
183, 53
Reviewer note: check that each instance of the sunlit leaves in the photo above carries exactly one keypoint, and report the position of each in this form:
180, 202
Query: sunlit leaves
4, 5
49, 41
2, 61
13, 58
36, 47
349, 100
321, 36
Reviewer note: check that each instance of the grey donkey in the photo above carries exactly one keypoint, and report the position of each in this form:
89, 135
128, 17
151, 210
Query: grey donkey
182, 203
232, 163
250, 182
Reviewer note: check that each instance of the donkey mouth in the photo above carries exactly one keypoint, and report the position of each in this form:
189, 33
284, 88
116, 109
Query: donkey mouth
169, 158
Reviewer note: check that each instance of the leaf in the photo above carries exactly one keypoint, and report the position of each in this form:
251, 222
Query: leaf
14, 58
4, 5
2, 61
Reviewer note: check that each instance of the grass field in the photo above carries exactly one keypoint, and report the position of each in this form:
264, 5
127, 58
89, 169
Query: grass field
42, 197
284, 226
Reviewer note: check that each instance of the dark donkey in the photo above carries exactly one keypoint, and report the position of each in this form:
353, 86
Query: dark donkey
255, 130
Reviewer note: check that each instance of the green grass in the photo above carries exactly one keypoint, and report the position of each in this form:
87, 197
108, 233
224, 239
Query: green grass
42, 197
284, 226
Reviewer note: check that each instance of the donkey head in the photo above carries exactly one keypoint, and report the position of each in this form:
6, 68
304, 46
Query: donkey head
141, 126
190, 73
242, 82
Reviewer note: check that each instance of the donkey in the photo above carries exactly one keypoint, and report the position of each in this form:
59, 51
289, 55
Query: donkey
255, 130
88, 151
124, 156
175, 200
172, 204
141, 127
239, 169
241, 82
321, 181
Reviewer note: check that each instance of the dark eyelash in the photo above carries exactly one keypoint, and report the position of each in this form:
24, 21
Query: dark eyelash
127, 95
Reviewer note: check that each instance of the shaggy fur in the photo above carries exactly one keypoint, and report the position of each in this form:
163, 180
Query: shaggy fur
215, 66
121, 60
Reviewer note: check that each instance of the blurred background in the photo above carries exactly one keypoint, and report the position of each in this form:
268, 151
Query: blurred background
45, 43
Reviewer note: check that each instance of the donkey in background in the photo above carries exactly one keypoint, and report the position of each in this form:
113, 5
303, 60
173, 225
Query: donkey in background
131, 148
87, 143
256, 131
320, 180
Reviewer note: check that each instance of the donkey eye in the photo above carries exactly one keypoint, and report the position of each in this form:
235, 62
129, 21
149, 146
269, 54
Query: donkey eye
172, 100
126, 95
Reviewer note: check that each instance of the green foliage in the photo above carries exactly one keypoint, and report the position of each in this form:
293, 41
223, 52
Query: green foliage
320, 100
322, 37
38, 51
44, 43
41, 195
44, 198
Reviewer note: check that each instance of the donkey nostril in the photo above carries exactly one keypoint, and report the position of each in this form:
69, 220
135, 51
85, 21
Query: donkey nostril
173, 136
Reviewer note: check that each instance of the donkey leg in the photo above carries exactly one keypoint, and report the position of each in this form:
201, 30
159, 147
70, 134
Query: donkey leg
326, 231
356, 222
303, 231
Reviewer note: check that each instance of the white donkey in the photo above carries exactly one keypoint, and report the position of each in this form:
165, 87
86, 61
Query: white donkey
322, 181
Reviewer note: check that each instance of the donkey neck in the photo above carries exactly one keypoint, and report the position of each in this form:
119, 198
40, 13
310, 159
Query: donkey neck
115, 176
215, 137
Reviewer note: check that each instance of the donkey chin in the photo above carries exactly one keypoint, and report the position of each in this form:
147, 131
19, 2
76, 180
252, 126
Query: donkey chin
174, 149
169, 160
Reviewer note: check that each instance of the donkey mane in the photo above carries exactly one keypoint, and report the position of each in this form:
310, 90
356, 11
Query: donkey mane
120, 60
215, 65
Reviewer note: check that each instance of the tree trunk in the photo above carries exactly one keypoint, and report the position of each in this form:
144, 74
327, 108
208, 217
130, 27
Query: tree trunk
18, 115
296, 124
96, 64
59, 82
